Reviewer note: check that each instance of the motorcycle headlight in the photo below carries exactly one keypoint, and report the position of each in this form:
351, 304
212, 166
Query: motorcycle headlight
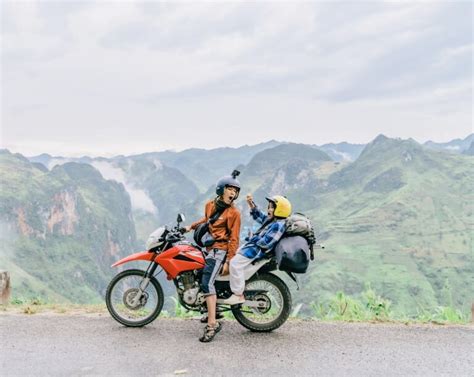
156, 239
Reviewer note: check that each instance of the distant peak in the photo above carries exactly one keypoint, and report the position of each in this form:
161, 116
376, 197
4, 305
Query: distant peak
383, 145
380, 138
16, 156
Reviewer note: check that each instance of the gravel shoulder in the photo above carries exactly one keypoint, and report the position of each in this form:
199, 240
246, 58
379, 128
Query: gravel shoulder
95, 345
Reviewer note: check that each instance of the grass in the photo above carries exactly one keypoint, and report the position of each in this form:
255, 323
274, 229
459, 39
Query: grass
374, 308
413, 242
38, 305
370, 307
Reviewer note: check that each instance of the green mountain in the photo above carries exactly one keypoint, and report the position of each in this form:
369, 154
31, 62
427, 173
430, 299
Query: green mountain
293, 170
288, 168
61, 229
205, 167
161, 184
158, 192
399, 218
455, 146
265, 164
202, 166
470, 151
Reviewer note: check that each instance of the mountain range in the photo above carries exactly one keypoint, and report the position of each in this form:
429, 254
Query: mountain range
392, 213
61, 229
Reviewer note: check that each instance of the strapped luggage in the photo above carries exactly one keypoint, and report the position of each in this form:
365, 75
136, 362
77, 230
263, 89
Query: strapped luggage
293, 254
295, 249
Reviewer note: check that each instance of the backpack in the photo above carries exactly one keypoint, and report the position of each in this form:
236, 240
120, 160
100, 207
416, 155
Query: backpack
202, 236
299, 224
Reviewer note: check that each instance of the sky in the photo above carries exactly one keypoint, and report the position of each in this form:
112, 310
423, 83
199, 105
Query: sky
107, 78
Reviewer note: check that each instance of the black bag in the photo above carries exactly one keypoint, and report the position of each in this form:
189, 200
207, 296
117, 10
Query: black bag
293, 254
299, 224
202, 236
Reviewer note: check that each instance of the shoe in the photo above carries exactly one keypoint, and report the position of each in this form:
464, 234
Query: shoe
210, 332
203, 319
234, 300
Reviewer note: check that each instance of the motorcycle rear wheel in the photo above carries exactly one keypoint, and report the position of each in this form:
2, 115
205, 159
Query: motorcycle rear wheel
277, 300
121, 292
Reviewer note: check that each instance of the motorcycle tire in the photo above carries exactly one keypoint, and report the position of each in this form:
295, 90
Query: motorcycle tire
250, 318
155, 311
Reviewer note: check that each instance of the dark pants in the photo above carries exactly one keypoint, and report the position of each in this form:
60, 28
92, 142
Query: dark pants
214, 261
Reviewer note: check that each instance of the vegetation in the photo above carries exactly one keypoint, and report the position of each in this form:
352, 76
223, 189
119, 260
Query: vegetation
410, 238
61, 229
340, 307
372, 307
399, 217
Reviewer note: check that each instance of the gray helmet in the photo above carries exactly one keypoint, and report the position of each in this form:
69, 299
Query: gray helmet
228, 180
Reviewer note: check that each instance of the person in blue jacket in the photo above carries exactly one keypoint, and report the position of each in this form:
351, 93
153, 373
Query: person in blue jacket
262, 242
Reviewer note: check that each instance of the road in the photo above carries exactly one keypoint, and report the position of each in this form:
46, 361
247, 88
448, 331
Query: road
95, 345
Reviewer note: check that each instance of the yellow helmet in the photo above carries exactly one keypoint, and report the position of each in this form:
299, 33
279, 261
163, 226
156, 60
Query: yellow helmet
282, 205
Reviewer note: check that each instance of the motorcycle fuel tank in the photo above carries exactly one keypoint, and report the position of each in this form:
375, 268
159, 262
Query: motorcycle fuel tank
182, 257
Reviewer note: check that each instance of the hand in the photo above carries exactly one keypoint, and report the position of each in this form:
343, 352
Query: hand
225, 269
187, 228
250, 201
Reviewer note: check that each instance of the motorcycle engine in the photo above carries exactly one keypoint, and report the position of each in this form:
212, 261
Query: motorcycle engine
190, 292
190, 295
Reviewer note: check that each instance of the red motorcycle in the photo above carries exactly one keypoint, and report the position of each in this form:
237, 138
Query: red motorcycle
135, 297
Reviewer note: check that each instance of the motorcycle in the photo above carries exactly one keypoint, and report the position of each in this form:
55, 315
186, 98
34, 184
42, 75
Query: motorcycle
135, 297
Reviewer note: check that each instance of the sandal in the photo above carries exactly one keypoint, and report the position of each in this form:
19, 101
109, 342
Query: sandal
210, 332
219, 315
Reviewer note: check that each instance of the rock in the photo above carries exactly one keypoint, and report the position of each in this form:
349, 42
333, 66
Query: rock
5, 287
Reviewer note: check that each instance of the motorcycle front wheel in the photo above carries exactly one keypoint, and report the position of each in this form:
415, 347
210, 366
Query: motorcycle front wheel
123, 304
276, 304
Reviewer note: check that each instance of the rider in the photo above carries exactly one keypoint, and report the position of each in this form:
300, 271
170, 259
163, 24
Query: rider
262, 242
225, 230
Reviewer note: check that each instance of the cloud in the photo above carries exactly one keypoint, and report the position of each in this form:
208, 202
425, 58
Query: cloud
128, 72
139, 198
453, 147
344, 156
388, 51
57, 161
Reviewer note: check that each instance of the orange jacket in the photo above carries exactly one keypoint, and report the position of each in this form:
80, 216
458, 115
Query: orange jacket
226, 228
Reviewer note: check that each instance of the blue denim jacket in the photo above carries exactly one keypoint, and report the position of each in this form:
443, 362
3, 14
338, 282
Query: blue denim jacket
263, 242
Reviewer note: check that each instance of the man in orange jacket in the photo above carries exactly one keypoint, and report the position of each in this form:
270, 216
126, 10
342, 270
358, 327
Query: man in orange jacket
225, 231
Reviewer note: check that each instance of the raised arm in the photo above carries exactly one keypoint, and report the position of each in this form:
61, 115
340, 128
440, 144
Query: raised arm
258, 215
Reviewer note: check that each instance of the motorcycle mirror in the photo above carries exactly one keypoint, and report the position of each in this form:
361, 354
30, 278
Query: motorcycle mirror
181, 218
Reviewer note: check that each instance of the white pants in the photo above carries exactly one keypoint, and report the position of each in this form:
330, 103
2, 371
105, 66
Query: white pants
237, 273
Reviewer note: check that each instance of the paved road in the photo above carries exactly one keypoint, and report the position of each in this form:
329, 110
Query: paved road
93, 345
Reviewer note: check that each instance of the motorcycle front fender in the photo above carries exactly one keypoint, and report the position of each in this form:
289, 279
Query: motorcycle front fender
142, 255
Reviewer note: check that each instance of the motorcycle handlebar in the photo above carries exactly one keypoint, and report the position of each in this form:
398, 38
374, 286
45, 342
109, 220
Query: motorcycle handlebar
176, 234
